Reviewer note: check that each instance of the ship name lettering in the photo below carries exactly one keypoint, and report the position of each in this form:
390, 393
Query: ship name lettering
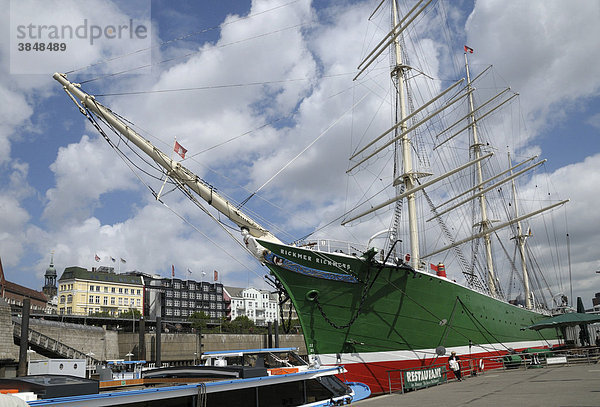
300, 256
306, 257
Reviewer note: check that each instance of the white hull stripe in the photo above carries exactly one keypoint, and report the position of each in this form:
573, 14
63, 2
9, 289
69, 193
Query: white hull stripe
419, 354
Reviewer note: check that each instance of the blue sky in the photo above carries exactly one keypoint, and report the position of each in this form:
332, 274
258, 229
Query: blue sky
64, 190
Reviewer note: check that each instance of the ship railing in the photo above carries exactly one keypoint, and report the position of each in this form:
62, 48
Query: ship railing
333, 246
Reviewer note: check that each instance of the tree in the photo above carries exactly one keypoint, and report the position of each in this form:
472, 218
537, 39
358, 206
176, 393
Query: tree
242, 325
199, 320
130, 313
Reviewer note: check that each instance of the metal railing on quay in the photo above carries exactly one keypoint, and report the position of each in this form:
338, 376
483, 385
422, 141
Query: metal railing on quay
537, 358
529, 359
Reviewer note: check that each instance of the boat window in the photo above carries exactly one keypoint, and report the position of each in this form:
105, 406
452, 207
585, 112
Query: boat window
284, 394
234, 398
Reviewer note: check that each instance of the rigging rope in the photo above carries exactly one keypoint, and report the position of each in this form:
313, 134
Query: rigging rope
193, 53
303, 150
178, 185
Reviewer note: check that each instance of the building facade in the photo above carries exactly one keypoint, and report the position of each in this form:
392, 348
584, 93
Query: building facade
14, 294
176, 300
261, 306
101, 290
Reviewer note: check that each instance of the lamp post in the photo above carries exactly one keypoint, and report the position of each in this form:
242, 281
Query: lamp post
129, 355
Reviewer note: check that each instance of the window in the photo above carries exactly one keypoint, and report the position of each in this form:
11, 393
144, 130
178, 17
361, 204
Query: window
169, 303
206, 297
120, 290
105, 289
205, 288
177, 303
177, 294
120, 301
184, 294
198, 296
69, 299
184, 304
169, 312
139, 292
184, 313
132, 302
91, 301
105, 299
177, 285
177, 312
138, 302
69, 310
213, 297
127, 291
219, 306
62, 299
112, 290
112, 300
192, 286
169, 293
97, 299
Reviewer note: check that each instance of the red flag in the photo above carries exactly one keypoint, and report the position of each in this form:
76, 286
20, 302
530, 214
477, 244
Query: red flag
468, 49
215, 275
433, 267
181, 151
96, 257
172, 270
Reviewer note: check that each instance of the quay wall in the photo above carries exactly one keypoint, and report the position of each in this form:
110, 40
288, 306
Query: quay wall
184, 347
85, 338
177, 348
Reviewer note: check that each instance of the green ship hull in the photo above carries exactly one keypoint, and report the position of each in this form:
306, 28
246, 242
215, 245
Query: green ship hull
372, 317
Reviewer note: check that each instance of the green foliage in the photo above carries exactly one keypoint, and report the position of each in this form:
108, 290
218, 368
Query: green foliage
100, 314
131, 313
199, 320
242, 325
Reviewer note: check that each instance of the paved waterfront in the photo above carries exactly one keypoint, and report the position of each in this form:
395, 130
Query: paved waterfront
575, 385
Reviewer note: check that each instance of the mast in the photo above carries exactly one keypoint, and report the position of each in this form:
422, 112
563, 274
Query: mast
408, 175
485, 224
520, 237
174, 169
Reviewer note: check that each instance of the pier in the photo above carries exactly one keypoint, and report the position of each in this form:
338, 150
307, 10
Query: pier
573, 385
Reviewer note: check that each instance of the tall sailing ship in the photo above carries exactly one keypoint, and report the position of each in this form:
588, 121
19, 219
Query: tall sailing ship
378, 309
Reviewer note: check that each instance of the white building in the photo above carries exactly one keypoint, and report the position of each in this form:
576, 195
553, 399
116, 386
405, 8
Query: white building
258, 305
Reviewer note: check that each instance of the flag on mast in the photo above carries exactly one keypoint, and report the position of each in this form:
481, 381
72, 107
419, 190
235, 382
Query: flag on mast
468, 49
96, 257
123, 260
172, 271
179, 149
215, 275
